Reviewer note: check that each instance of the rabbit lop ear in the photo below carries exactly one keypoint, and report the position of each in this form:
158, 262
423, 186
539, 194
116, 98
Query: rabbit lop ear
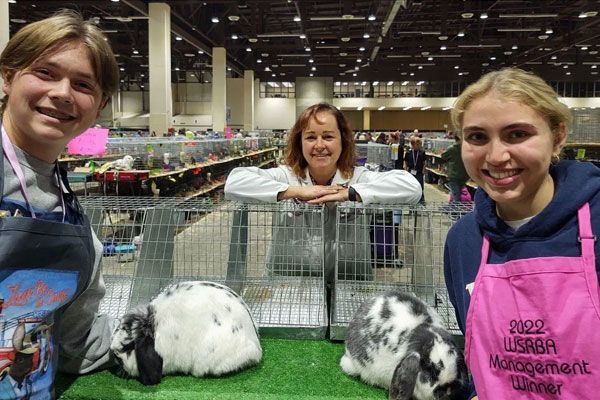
149, 362
405, 378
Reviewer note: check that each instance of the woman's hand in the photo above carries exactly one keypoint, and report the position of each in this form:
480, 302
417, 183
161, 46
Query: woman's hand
341, 194
311, 194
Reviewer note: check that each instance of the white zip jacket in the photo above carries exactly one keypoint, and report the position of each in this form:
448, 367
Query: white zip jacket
252, 184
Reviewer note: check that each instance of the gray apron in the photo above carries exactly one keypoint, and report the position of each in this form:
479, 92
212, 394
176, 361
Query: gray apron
46, 261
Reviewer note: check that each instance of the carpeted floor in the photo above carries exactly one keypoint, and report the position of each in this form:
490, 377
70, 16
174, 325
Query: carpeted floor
290, 369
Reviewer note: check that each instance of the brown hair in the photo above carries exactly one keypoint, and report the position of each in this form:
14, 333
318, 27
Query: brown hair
519, 85
293, 152
50, 34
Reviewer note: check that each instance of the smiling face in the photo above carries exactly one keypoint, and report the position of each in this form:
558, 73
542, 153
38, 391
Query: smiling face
507, 149
53, 100
322, 144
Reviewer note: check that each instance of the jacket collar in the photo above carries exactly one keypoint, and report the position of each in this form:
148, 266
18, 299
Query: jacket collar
338, 179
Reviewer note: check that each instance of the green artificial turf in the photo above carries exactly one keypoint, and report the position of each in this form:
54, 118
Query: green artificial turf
290, 369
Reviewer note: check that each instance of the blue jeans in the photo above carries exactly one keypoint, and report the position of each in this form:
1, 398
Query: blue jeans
455, 189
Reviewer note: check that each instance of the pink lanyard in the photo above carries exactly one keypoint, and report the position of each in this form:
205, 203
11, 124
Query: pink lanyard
415, 159
11, 156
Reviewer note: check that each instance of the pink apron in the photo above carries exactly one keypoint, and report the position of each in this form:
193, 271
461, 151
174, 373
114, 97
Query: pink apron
533, 326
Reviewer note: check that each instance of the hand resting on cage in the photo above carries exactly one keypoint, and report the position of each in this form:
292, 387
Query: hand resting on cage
317, 194
397, 341
197, 328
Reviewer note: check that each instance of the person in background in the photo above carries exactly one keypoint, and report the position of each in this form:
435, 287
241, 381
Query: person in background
455, 169
414, 162
381, 139
523, 267
397, 152
320, 169
59, 73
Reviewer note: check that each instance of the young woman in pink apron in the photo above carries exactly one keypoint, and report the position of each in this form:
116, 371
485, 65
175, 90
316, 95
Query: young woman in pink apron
522, 268
58, 75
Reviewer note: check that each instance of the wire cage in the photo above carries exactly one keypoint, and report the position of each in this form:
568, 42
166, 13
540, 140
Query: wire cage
586, 124
271, 254
374, 153
381, 247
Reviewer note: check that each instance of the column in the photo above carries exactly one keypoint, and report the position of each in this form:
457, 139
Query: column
248, 100
366, 119
310, 91
159, 61
219, 104
4, 31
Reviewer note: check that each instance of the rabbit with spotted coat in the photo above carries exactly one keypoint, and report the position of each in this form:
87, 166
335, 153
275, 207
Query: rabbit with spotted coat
397, 341
197, 328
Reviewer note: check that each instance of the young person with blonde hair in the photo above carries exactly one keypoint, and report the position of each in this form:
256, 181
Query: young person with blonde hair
522, 268
59, 73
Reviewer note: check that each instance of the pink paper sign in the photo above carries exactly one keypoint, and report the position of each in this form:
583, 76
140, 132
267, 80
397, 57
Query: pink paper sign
91, 142
228, 133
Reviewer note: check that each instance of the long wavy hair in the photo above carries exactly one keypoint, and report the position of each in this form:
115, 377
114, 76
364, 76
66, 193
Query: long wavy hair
293, 152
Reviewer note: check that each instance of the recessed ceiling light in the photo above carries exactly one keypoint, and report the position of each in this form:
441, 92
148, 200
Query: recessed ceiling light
233, 18
248, 49
443, 37
297, 19
366, 36
311, 74
178, 38
345, 39
361, 49
200, 52
214, 20
461, 34
483, 16
358, 59
515, 47
343, 54
543, 37
467, 15
253, 40
371, 17
303, 36
234, 36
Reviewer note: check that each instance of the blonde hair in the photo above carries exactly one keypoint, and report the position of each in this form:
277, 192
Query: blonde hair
293, 152
518, 85
50, 34
414, 140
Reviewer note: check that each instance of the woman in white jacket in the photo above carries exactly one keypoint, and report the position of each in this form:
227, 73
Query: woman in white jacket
319, 169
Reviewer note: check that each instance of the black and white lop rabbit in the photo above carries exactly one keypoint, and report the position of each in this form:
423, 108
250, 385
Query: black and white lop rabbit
197, 328
397, 341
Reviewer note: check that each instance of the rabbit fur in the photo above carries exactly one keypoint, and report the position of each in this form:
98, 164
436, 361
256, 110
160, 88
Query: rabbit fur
397, 341
197, 328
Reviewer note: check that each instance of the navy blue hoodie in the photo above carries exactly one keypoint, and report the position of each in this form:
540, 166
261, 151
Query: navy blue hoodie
553, 232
